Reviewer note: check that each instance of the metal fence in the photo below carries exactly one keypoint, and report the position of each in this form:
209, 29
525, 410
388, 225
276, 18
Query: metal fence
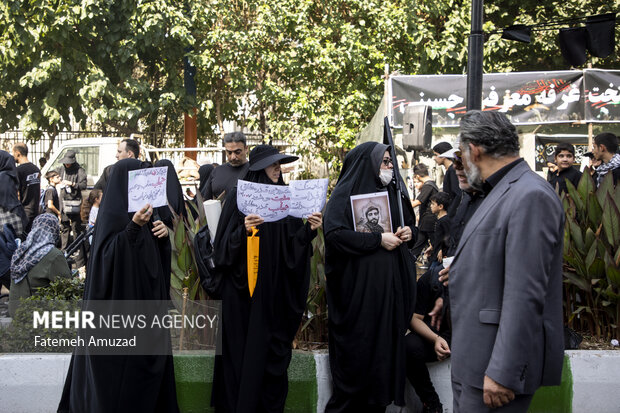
44, 146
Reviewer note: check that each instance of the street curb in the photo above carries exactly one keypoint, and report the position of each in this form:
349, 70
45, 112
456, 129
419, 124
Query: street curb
589, 383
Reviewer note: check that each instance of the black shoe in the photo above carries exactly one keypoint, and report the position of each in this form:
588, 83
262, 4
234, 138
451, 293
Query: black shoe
432, 407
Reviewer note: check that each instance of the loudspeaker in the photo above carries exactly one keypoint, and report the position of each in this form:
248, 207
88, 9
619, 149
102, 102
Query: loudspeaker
417, 127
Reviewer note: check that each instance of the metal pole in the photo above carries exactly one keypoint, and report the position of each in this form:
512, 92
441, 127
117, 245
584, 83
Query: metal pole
475, 54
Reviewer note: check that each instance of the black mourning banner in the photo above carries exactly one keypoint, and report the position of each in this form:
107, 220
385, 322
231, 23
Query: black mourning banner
527, 98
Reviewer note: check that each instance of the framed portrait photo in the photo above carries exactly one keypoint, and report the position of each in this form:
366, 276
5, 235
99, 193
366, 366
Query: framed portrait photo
371, 212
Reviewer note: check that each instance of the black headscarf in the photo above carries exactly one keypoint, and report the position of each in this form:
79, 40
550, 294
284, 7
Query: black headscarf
114, 254
8, 182
360, 175
125, 264
370, 290
204, 171
258, 331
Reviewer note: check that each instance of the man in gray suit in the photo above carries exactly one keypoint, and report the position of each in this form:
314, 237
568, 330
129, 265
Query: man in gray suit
506, 279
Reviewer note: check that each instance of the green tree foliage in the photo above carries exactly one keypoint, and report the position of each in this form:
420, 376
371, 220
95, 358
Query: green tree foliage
106, 62
308, 72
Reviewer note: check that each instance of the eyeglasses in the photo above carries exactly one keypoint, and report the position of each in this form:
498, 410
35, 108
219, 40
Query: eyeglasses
387, 161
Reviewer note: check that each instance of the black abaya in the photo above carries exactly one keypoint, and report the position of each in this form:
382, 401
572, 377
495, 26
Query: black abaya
125, 264
370, 292
257, 332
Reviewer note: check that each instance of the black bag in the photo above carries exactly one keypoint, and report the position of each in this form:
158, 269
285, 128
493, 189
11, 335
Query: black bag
210, 278
71, 200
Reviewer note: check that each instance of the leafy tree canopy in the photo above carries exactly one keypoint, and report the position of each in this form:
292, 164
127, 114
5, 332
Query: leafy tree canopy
308, 72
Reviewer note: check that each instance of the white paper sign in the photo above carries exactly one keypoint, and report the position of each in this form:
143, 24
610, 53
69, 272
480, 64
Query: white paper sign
274, 202
147, 186
307, 196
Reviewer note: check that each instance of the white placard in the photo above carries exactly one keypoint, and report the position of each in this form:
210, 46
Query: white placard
307, 196
147, 186
274, 202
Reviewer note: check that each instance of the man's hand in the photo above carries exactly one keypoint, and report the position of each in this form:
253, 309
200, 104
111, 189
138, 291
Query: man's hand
442, 349
142, 216
404, 233
436, 314
444, 276
390, 241
252, 220
495, 395
316, 220
160, 230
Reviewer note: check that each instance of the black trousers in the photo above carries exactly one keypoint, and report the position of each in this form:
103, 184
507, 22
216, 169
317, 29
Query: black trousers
70, 229
420, 352
341, 403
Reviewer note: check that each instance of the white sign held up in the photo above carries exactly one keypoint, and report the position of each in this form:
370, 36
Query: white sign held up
274, 202
147, 186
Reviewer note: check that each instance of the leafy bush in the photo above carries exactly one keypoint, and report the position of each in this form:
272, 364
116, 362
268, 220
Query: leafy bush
63, 294
592, 257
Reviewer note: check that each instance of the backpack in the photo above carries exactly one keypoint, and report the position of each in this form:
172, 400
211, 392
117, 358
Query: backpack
210, 278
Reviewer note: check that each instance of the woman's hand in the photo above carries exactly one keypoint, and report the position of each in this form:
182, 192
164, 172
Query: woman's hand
441, 348
252, 220
142, 216
404, 233
160, 230
390, 241
315, 220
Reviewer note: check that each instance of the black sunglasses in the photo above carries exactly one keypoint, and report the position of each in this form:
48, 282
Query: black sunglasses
387, 161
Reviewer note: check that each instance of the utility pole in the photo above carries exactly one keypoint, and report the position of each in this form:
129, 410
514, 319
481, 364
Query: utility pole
475, 54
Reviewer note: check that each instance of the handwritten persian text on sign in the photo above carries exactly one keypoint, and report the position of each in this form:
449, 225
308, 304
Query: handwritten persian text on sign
274, 202
147, 186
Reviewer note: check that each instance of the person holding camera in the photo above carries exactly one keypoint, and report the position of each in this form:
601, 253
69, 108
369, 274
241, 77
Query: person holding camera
73, 182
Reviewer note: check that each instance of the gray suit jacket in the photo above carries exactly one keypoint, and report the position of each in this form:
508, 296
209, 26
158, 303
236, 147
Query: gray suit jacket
506, 287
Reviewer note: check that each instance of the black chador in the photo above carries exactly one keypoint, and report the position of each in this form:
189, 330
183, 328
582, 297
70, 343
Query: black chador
126, 263
258, 331
370, 292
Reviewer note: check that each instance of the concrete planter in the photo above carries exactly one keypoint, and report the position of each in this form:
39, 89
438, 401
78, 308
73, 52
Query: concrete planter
590, 383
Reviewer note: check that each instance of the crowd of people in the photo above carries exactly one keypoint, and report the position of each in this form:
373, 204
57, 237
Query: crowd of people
490, 297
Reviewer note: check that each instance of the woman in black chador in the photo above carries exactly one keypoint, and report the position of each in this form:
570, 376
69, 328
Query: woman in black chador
126, 263
370, 288
258, 331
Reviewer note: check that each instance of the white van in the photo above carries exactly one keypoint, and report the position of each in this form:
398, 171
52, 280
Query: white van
93, 154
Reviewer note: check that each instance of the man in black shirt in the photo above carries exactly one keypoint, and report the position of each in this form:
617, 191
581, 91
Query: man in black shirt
29, 177
225, 177
564, 160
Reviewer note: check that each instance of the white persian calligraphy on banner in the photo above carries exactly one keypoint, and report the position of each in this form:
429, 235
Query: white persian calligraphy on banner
147, 186
274, 202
